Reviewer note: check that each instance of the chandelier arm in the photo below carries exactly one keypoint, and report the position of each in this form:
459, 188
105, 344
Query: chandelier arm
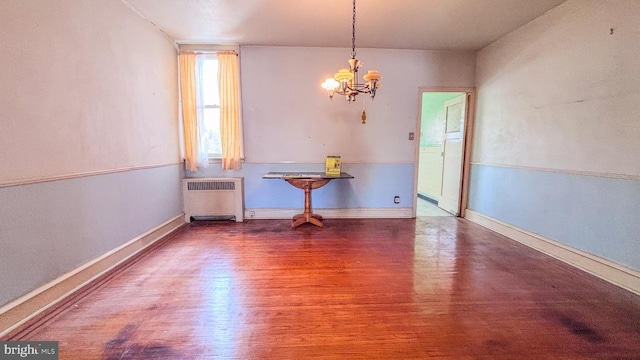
361, 89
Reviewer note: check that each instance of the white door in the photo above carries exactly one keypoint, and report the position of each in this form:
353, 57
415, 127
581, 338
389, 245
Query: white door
452, 149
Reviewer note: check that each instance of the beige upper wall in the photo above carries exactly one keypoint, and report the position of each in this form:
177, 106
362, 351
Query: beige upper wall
86, 86
563, 92
289, 118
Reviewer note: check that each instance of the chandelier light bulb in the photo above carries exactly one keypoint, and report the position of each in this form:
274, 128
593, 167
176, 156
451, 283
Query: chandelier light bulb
330, 84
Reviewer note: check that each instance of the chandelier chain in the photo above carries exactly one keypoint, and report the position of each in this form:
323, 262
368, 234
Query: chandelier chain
353, 32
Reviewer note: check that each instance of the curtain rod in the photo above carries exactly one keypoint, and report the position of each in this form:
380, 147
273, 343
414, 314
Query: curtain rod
205, 48
197, 52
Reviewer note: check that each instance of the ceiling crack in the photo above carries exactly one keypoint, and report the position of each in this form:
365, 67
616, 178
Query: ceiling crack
135, 11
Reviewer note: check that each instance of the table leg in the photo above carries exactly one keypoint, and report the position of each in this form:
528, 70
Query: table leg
308, 216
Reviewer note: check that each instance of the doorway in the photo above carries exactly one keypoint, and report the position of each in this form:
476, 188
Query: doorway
442, 152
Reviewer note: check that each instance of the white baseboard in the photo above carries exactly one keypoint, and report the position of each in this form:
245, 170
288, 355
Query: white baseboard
361, 213
623, 277
28, 306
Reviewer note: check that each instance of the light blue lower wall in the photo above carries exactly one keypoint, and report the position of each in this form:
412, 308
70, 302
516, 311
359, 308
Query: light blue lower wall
48, 229
598, 215
373, 186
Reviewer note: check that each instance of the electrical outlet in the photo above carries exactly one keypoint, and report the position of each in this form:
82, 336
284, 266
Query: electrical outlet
412, 136
252, 213
396, 199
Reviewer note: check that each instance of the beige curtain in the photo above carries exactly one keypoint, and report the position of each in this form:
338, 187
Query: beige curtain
189, 119
230, 116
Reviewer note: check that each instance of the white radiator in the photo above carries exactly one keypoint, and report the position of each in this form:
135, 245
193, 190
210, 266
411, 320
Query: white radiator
213, 197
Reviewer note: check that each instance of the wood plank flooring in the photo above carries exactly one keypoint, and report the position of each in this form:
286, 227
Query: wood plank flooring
356, 289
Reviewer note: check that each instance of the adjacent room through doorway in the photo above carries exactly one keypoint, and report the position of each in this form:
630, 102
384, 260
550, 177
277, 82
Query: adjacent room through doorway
442, 125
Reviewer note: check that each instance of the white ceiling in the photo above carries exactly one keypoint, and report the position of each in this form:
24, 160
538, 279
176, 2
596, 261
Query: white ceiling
395, 24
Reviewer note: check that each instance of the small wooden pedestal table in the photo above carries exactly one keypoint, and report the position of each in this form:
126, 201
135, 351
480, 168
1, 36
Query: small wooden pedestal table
307, 181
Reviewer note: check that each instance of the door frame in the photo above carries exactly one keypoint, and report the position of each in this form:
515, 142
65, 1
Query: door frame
467, 143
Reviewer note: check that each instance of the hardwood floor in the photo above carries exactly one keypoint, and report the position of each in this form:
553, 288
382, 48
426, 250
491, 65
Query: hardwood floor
438, 287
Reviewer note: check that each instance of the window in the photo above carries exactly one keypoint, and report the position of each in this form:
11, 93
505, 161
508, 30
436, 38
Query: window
211, 106
211, 113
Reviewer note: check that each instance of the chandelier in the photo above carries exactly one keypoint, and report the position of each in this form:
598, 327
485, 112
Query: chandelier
345, 82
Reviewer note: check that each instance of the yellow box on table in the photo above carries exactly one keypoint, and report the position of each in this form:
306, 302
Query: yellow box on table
333, 165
